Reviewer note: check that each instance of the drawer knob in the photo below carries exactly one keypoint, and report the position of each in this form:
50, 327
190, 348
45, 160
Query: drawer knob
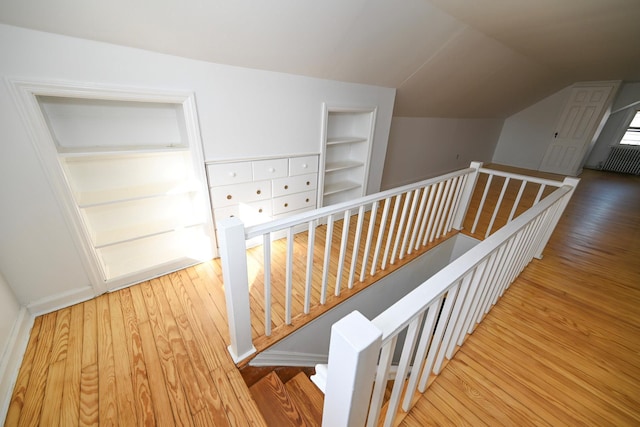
304, 166
286, 205
307, 200
308, 183
286, 187
272, 170
260, 210
229, 197
232, 174
258, 192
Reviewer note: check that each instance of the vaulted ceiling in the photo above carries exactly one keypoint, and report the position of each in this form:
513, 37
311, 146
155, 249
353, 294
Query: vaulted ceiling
447, 58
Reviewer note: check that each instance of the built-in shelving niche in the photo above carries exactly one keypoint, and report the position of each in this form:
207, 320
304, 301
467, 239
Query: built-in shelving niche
129, 166
347, 140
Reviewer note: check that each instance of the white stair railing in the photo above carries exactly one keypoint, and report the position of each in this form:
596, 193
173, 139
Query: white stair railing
436, 317
420, 214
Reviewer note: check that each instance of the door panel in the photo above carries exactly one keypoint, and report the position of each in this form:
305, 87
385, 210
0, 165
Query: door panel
580, 119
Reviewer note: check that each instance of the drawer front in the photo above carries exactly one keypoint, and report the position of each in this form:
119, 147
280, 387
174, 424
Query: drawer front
294, 184
269, 169
250, 213
229, 173
239, 193
303, 165
293, 202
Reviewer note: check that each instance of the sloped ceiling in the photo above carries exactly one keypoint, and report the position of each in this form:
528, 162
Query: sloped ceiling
447, 58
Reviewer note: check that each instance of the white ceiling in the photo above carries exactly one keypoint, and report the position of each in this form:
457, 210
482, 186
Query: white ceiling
447, 58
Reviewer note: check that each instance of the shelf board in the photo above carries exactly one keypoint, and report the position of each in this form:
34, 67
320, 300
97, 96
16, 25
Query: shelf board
330, 189
100, 152
345, 140
336, 166
139, 231
87, 199
147, 253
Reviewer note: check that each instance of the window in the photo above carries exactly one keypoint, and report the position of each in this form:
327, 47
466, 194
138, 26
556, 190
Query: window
632, 135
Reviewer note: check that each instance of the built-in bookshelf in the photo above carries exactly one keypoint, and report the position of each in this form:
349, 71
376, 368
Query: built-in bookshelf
347, 139
134, 174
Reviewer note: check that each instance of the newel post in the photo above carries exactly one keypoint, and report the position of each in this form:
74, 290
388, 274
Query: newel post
353, 355
553, 221
233, 254
467, 193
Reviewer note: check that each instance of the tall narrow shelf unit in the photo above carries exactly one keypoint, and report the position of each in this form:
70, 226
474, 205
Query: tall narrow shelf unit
347, 140
130, 168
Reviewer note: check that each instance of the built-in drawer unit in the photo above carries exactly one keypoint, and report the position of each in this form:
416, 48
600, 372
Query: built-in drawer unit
269, 169
303, 165
293, 202
258, 190
246, 192
229, 173
293, 184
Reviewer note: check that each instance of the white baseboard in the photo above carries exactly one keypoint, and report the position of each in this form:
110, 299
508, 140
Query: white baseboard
62, 300
12, 358
288, 358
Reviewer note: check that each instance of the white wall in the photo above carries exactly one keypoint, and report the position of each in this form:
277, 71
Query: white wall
624, 106
421, 148
242, 113
526, 135
9, 310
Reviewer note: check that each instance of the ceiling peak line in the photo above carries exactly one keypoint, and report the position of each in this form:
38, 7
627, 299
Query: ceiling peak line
435, 54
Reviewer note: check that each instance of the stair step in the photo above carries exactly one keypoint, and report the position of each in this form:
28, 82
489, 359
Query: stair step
275, 403
307, 397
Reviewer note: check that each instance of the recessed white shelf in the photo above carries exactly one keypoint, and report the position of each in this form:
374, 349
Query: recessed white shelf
345, 140
87, 199
337, 166
340, 187
122, 235
146, 253
117, 151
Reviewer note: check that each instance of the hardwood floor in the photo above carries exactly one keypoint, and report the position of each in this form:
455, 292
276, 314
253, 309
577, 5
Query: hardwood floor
561, 348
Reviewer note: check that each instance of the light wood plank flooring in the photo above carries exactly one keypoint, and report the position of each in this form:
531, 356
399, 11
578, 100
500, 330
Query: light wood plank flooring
561, 348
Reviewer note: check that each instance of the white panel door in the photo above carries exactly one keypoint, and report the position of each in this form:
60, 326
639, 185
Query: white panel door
580, 119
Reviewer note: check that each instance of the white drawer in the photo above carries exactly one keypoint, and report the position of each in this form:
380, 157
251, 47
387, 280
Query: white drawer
303, 165
234, 194
250, 213
269, 169
229, 173
292, 202
294, 184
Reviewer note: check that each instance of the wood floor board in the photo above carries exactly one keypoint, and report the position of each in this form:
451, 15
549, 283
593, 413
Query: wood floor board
163, 406
107, 388
284, 412
122, 363
249, 405
22, 381
70, 411
179, 403
186, 375
34, 397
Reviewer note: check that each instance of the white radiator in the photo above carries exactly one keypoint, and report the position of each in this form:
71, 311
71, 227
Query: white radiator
623, 159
